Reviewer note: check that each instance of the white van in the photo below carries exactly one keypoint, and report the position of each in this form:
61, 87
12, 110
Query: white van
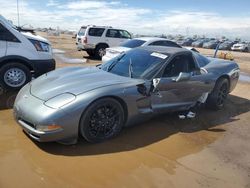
22, 56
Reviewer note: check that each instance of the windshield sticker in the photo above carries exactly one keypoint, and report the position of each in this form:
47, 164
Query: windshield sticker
162, 56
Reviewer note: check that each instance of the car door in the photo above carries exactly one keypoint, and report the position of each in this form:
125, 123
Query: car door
3, 42
172, 95
95, 35
115, 37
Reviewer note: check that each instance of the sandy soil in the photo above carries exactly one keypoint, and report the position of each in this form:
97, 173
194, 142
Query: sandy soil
211, 150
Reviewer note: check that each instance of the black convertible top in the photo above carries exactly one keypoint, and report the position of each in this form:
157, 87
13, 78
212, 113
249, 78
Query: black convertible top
165, 50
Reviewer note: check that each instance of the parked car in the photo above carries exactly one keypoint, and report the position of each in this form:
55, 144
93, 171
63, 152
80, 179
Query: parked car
97, 102
212, 44
22, 56
199, 43
95, 39
227, 45
242, 46
133, 43
186, 42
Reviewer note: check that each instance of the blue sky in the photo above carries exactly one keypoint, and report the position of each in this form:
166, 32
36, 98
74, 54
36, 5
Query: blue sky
203, 17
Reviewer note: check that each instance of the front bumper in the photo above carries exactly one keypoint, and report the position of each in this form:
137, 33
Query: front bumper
43, 66
30, 111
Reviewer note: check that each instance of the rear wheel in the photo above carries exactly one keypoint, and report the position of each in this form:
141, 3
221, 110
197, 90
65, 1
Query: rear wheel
102, 120
217, 98
14, 75
100, 51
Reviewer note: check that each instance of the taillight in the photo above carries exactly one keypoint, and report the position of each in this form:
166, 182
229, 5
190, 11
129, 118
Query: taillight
84, 40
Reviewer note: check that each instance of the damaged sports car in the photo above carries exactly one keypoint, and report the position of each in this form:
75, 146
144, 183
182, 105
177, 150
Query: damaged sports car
97, 102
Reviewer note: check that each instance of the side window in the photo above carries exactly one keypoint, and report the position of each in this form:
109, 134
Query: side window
171, 44
181, 63
113, 33
125, 34
96, 32
157, 43
6, 35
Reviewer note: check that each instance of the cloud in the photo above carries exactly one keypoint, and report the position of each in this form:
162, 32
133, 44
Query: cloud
52, 3
73, 14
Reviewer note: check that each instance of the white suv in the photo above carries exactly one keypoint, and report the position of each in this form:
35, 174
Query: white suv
95, 39
22, 56
242, 46
136, 42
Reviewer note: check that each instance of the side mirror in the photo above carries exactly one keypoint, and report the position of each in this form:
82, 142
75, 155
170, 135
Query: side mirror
183, 76
156, 82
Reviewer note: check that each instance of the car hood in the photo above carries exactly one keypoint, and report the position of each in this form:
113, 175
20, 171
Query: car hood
75, 80
35, 37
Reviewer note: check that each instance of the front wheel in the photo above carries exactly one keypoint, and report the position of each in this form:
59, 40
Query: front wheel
14, 75
102, 120
216, 99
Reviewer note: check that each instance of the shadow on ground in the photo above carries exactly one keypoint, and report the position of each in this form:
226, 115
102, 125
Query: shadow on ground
155, 130
140, 135
91, 58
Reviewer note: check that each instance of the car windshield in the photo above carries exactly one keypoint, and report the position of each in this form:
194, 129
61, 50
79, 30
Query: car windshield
137, 63
133, 43
82, 31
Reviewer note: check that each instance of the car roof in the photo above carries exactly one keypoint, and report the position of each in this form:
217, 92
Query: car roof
151, 39
165, 50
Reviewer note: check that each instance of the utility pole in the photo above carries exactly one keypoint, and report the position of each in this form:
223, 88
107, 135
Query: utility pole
17, 6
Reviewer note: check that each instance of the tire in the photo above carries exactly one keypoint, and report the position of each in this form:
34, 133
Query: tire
216, 99
90, 53
245, 50
100, 51
102, 120
14, 75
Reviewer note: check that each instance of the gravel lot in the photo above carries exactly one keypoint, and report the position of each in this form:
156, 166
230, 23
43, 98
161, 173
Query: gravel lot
211, 150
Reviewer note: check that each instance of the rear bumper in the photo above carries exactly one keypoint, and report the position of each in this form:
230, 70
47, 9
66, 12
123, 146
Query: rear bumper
43, 66
234, 77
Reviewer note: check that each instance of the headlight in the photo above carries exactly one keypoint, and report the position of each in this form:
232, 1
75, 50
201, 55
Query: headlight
60, 100
40, 46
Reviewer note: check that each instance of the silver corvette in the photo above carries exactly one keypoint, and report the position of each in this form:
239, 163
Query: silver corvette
97, 102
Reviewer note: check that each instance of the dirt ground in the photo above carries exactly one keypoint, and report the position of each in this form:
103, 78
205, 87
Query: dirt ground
211, 150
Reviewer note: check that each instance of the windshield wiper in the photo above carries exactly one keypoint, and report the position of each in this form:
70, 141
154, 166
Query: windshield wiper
130, 68
111, 66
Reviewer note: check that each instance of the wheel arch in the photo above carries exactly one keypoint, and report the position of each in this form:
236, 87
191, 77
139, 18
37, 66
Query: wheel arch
17, 59
225, 76
102, 44
119, 99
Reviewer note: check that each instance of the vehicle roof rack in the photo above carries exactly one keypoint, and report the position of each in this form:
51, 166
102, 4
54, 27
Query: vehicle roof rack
97, 26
